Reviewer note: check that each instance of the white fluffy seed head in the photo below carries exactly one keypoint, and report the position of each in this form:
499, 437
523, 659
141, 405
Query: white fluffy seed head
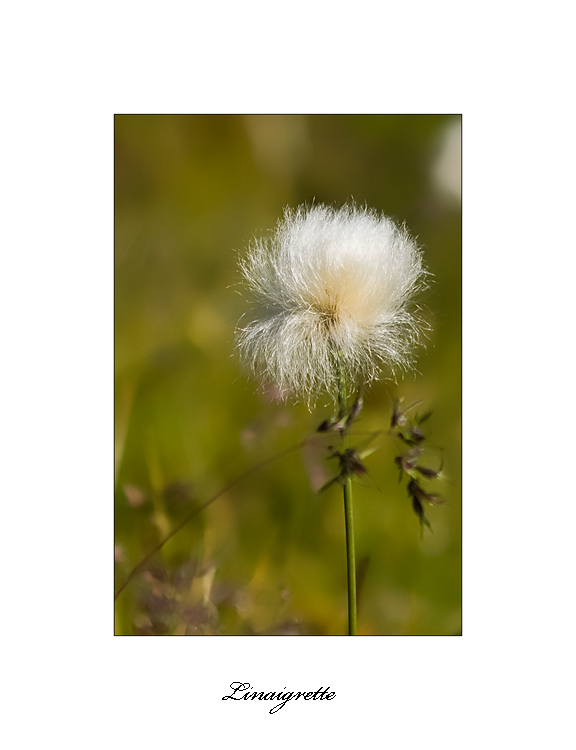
331, 288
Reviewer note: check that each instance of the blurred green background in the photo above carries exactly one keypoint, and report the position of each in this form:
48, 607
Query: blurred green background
268, 557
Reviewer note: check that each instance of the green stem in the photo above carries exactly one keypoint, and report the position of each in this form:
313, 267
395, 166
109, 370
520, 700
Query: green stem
350, 556
348, 514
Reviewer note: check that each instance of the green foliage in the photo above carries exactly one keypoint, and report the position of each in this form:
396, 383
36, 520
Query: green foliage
268, 556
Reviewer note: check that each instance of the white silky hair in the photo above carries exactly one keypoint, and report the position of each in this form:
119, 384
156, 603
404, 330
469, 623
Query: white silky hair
331, 288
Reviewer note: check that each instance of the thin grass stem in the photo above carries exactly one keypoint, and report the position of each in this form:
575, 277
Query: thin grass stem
137, 568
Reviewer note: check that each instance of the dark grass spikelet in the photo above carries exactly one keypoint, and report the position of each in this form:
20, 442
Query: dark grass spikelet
408, 430
349, 459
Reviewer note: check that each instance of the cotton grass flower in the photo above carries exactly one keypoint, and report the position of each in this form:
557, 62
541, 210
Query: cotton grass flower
332, 293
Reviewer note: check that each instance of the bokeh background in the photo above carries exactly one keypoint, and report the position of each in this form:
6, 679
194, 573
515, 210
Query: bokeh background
268, 556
